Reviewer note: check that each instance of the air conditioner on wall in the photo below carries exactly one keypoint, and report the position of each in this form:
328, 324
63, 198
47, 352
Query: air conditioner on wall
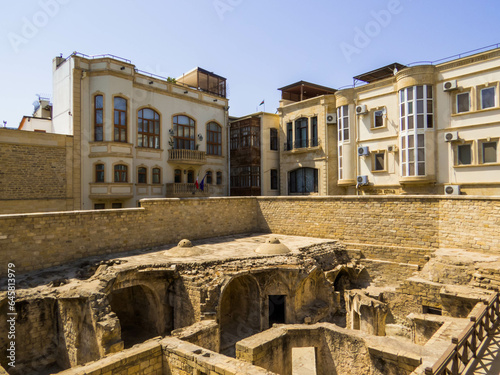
361, 109
452, 190
392, 148
362, 180
363, 151
450, 85
451, 136
331, 118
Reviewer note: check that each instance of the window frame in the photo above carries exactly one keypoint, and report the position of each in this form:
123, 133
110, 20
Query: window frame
98, 126
177, 176
209, 177
458, 147
374, 161
156, 176
97, 171
154, 123
122, 173
211, 143
181, 140
218, 178
190, 176
274, 179
293, 185
118, 128
301, 129
382, 117
273, 139
142, 174
482, 155
481, 97
462, 94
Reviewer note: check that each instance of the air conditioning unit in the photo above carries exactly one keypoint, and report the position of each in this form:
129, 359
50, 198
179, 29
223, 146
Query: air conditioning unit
450, 85
361, 109
451, 136
451, 190
362, 180
392, 148
363, 151
331, 118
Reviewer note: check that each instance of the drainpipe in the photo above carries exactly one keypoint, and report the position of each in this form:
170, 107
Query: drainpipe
228, 149
356, 124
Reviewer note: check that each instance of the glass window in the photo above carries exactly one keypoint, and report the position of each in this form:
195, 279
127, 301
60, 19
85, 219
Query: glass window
214, 139
209, 177
156, 176
219, 178
148, 128
379, 161
184, 133
116, 205
289, 136
301, 136
190, 177
99, 173
142, 175
121, 173
303, 181
463, 102
99, 206
464, 154
489, 152
98, 118
274, 139
177, 176
120, 120
488, 98
274, 179
235, 138
378, 119
314, 131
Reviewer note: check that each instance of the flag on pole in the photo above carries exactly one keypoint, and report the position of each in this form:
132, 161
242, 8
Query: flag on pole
196, 185
261, 103
202, 184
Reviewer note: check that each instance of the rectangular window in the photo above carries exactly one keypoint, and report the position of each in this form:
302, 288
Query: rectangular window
120, 119
489, 150
378, 119
274, 179
219, 178
99, 173
463, 102
289, 136
379, 161
343, 123
156, 176
301, 136
116, 205
488, 98
314, 131
235, 139
98, 119
274, 139
303, 180
99, 206
142, 175
464, 156
177, 176
121, 173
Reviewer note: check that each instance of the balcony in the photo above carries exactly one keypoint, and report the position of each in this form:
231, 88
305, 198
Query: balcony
183, 190
303, 144
191, 157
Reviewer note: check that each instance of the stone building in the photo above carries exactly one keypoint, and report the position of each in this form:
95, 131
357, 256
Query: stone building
254, 155
431, 129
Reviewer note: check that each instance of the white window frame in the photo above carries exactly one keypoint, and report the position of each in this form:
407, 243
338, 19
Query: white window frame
374, 124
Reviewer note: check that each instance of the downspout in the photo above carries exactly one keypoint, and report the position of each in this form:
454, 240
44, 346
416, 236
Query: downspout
228, 149
356, 124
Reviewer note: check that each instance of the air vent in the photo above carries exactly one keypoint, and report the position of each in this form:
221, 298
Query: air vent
361, 109
450, 85
331, 118
363, 151
451, 136
452, 190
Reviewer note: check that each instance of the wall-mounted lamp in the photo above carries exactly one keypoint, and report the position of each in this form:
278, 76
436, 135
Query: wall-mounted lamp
185, 92
122, 68
151, 82
200, 137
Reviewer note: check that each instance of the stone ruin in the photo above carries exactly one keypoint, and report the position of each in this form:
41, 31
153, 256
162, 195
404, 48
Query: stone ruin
248, 304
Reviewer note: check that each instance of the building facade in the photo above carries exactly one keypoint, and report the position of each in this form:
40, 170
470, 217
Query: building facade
423, 129
254, 155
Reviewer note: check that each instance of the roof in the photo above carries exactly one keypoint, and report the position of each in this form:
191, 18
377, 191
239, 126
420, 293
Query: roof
309, 85
380, 73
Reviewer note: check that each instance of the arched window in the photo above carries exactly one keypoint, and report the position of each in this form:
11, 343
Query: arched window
98, 118
121, 173
148, 124
120, 119
156, 176
184, 133
142, 175
214, 139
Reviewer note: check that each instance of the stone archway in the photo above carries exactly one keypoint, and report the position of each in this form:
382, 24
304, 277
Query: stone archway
239, 312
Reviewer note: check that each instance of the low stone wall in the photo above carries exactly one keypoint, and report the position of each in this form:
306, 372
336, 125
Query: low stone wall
204, 334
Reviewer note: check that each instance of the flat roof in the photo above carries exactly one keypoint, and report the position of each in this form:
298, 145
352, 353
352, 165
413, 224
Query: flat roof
380, 73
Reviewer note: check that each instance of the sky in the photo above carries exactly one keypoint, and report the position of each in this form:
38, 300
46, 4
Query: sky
258, 45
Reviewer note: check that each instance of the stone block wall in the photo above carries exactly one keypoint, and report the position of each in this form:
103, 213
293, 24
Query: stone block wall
204, 334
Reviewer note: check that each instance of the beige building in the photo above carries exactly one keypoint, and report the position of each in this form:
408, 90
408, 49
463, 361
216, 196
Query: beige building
254, 155
430, 129
137, 135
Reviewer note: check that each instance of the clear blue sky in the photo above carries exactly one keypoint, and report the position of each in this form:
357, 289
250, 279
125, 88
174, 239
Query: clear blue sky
258, 45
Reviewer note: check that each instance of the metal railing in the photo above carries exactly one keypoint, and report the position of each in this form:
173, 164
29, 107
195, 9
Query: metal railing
303, 143
185, 189
187, 155
465, 347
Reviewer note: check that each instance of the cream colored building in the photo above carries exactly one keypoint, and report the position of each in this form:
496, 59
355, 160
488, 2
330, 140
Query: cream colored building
254, 155
422, 129
137, 135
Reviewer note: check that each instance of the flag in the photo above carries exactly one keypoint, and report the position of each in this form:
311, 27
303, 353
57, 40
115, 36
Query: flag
196, 185
262, 102
202, 184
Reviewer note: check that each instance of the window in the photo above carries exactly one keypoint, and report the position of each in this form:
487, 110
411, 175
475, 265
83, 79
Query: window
255, 176
274, 139
120, 119
219, 178
463, 102
274, 179
184, 133
303, 180
314, 131
121, 173
156, 176
489, 152
190, 177
378, 119
488, 98
148, 123
209, 177
379, 161
343, 123
301, 136
99, 173
289, 136
235, 138
142, 175
464, 154
214, 139
177, 176
98, 118
99, 206
116, 205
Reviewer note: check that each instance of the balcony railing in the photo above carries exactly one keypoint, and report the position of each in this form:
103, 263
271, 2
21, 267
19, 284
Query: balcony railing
178, 190
303, 143
187, 156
